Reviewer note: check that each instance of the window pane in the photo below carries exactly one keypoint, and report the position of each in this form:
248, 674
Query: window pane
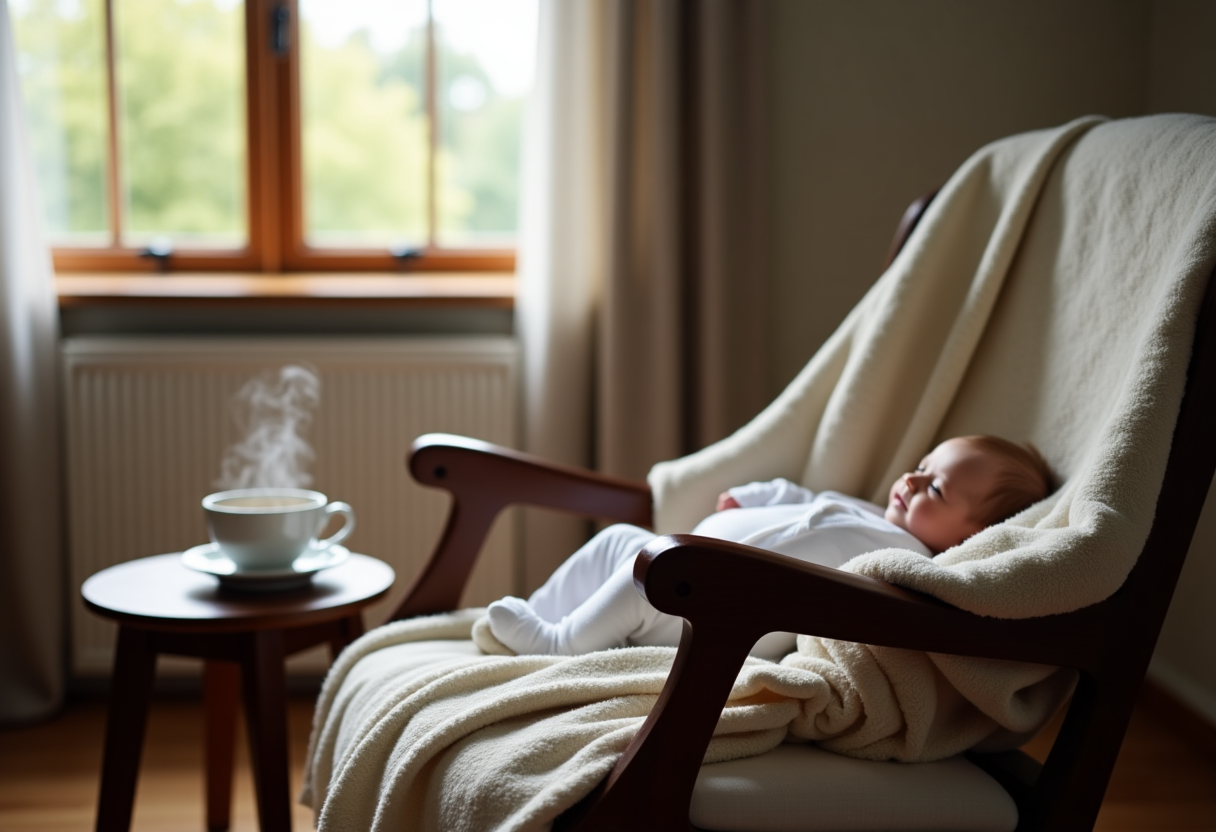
181, 85
486, 56
61, 62
364, 131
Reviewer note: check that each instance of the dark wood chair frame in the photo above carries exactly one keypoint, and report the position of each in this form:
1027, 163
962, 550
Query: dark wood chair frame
730, 595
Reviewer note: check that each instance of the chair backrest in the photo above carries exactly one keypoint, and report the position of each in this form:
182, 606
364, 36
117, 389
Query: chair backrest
1054, 390
1121, 632
1013, 388
1055, 379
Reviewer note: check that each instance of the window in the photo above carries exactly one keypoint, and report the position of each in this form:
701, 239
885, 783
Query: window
271, 135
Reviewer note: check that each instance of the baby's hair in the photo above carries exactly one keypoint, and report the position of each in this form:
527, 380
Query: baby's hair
1025, 478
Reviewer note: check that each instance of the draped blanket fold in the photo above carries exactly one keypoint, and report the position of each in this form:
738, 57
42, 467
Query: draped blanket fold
416, 729
1049, 294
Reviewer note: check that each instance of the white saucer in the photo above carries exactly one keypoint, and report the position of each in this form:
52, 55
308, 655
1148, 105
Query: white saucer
209, 559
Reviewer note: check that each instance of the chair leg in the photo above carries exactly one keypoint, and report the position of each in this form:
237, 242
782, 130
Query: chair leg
265, 691
221, 691
130, 694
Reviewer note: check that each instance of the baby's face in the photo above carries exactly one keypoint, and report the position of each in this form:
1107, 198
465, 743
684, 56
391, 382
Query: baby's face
937, 501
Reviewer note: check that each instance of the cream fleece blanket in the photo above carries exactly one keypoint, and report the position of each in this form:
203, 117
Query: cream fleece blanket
416, 728
1049, 294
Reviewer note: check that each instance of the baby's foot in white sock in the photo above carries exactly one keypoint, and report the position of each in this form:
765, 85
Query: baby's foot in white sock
517, 625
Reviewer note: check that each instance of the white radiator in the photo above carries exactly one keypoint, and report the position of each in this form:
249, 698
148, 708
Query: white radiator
148, 420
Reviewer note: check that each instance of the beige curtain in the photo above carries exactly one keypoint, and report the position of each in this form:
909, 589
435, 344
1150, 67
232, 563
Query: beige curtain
642, 276
31, 589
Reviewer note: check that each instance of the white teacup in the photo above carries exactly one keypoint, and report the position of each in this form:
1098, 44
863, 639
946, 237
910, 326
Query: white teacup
268, 528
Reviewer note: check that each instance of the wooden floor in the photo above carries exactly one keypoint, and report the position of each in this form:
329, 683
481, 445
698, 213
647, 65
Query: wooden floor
49, 772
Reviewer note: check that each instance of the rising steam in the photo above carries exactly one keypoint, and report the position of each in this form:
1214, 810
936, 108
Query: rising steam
272, 410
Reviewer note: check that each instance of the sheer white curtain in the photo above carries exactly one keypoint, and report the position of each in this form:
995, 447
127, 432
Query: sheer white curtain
642, 279
31, 571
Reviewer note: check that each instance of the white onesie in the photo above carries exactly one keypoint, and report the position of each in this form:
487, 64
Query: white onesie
590, 603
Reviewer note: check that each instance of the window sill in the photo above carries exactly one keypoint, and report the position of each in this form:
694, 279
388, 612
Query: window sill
417, 290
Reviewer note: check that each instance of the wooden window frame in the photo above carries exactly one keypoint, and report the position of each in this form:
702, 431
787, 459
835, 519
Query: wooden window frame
274, 178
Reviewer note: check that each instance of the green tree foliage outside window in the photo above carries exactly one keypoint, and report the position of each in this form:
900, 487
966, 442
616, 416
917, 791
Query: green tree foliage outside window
181, 86
61, 61
365, 139
365, 147
483, 137
180, 79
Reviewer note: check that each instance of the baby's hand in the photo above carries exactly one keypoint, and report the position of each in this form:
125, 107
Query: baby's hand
726, 501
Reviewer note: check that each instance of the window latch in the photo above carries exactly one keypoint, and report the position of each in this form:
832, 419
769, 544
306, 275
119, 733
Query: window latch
405, 255
159, 249
280, 30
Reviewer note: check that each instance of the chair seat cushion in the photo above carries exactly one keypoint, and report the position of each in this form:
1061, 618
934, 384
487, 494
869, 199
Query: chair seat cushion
801, 788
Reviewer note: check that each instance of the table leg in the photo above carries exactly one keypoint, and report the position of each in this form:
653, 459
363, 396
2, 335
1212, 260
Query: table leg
221, 692
130, 693
349, 629
265, 690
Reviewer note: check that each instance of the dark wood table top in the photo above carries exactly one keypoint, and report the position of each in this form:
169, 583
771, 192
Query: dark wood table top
160, 593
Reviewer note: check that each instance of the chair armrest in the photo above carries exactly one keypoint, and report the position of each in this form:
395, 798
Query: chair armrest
476, 470
721, 585
730, 595
484, 479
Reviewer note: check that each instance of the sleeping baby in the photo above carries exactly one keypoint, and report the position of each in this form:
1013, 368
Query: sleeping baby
590, 603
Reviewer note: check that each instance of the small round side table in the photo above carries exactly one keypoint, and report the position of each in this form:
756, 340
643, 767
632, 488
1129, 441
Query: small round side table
244, 637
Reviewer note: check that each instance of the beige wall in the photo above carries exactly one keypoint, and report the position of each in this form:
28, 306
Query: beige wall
877, 101
1182, 60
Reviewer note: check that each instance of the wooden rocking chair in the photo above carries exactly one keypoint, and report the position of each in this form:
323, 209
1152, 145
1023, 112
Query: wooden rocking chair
730, 595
